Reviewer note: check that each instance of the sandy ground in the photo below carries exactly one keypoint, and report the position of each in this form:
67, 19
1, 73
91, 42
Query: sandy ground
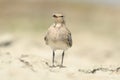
28, 58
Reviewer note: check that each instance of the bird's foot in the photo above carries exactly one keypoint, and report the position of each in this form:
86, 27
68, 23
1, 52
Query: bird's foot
61, 66
53, 66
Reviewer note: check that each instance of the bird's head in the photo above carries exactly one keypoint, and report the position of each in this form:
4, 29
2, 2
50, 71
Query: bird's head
59, 18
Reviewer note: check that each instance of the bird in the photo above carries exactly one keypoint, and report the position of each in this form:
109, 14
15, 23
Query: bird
58, 37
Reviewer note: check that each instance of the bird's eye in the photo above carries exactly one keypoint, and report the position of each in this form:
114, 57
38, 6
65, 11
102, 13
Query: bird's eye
54, 16
61, 16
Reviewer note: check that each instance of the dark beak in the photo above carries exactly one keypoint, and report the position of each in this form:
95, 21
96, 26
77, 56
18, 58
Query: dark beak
55, 16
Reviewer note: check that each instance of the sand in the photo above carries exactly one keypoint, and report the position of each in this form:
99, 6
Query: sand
28, 58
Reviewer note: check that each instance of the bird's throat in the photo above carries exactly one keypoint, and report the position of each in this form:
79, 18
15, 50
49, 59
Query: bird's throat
58, 25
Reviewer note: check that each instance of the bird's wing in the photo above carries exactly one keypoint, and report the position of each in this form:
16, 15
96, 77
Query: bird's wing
47, 34
69, 39
46, 38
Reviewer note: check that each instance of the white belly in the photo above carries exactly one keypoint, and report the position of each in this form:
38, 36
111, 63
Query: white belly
58, 45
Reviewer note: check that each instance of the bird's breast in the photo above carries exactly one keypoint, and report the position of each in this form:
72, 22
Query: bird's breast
56, 34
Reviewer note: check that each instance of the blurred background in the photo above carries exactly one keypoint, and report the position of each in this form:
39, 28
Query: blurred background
95, 28
95, 24
97, 16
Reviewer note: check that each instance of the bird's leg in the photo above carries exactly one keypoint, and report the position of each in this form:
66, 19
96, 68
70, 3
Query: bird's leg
62, 60
53, 60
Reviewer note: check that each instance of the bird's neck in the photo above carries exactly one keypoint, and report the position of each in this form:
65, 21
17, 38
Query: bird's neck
59, 24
